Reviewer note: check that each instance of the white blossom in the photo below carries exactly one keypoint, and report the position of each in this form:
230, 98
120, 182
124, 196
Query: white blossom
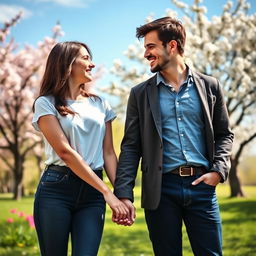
222, 46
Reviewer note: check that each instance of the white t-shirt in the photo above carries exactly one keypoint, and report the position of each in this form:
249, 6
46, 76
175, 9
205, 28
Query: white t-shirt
85, 130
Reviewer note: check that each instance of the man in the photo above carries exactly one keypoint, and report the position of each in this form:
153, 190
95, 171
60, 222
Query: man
177, 124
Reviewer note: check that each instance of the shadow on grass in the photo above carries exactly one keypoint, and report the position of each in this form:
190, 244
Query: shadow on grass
242, 210
123, 241
20, 251
126, 243
8, 197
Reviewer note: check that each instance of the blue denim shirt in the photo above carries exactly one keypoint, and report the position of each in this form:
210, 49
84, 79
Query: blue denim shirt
182, 125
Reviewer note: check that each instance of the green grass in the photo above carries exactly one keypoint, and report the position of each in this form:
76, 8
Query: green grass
238, 216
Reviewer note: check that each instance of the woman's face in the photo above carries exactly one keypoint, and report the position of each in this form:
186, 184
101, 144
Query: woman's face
81, 68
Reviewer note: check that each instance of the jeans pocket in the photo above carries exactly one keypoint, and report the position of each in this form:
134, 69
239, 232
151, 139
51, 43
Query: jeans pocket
52, 177
207, 185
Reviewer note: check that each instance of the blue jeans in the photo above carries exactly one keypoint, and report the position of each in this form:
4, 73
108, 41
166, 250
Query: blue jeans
196, 206
65, 204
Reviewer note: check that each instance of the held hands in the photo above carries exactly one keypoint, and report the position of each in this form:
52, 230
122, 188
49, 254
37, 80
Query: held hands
130, 217
119, 210
210, 178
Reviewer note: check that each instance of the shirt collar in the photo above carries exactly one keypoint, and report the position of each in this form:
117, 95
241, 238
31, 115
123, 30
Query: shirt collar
160, 79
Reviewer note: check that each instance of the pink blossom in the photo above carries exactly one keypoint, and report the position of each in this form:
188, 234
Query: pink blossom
32, 224
20, 71
21, 214
10, 220
30, 220
13, 211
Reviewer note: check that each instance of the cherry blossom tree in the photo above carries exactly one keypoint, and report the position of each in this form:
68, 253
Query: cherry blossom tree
223, 46
20, 73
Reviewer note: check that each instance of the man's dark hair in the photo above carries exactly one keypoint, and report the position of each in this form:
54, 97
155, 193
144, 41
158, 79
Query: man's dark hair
167, 29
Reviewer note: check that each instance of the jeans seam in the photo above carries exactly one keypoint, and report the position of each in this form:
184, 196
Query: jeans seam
39, 229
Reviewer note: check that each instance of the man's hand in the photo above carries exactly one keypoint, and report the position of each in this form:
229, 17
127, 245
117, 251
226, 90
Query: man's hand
131, 218
210, 178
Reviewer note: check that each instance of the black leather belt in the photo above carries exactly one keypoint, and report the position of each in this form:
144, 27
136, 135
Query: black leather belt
58, 168
63, 168
188, 170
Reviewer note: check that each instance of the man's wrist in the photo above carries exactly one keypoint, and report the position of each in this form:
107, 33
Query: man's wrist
219, 175
222, 179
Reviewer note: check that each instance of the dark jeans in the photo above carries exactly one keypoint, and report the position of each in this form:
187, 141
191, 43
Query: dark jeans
65, 204
197, 206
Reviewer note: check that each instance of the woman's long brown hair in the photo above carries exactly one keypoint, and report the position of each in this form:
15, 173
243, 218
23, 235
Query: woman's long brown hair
57, 72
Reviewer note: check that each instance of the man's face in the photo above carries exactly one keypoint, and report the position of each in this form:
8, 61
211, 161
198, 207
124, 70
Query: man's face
157, 55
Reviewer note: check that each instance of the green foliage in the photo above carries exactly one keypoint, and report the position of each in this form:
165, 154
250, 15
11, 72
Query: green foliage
17, 234
18, 230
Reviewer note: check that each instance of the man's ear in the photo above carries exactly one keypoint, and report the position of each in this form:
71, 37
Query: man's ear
172, 46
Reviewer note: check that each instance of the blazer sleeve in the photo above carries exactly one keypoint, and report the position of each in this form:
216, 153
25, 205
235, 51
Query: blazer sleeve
223, 136
130, 152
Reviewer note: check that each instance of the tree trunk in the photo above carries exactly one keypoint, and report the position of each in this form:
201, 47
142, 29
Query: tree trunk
234, 182
18, 177
17, 195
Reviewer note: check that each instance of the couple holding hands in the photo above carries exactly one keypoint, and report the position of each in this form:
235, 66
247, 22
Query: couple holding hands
176, 124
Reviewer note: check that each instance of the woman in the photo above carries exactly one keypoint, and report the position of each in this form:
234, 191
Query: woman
76, 127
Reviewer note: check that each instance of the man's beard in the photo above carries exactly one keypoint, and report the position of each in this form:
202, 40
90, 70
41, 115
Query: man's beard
161, 66
155, 69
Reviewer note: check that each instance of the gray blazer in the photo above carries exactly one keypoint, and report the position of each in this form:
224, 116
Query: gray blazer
143, 138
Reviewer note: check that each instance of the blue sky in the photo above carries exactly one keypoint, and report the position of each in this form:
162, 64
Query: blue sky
107, 26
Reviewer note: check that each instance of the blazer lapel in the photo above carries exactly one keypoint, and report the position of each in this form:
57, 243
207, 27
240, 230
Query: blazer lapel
153, 98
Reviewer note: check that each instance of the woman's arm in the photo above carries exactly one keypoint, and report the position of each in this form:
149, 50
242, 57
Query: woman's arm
51, 129
109, 155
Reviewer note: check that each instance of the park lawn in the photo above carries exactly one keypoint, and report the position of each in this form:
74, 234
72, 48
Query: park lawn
238, 216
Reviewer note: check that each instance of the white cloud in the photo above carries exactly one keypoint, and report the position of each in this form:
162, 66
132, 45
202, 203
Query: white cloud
71, 3
10, 11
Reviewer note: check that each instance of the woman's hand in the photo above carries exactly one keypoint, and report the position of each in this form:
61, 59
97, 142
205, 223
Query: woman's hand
119, 209
131, 218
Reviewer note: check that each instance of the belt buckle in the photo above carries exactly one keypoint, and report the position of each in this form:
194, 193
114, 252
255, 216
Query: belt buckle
185, 175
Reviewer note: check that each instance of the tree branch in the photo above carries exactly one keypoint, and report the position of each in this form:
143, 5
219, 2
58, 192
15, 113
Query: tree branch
7, 106
2, 130
241, 101
6, 122
30, 148
240, 118
24, 120
5, 160
242, 145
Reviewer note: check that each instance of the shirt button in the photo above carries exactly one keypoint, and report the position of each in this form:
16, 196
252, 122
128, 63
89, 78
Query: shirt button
179, 119
181, 134
184, 151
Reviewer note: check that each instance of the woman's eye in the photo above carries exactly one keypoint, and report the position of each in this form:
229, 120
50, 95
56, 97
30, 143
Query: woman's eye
86, 57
